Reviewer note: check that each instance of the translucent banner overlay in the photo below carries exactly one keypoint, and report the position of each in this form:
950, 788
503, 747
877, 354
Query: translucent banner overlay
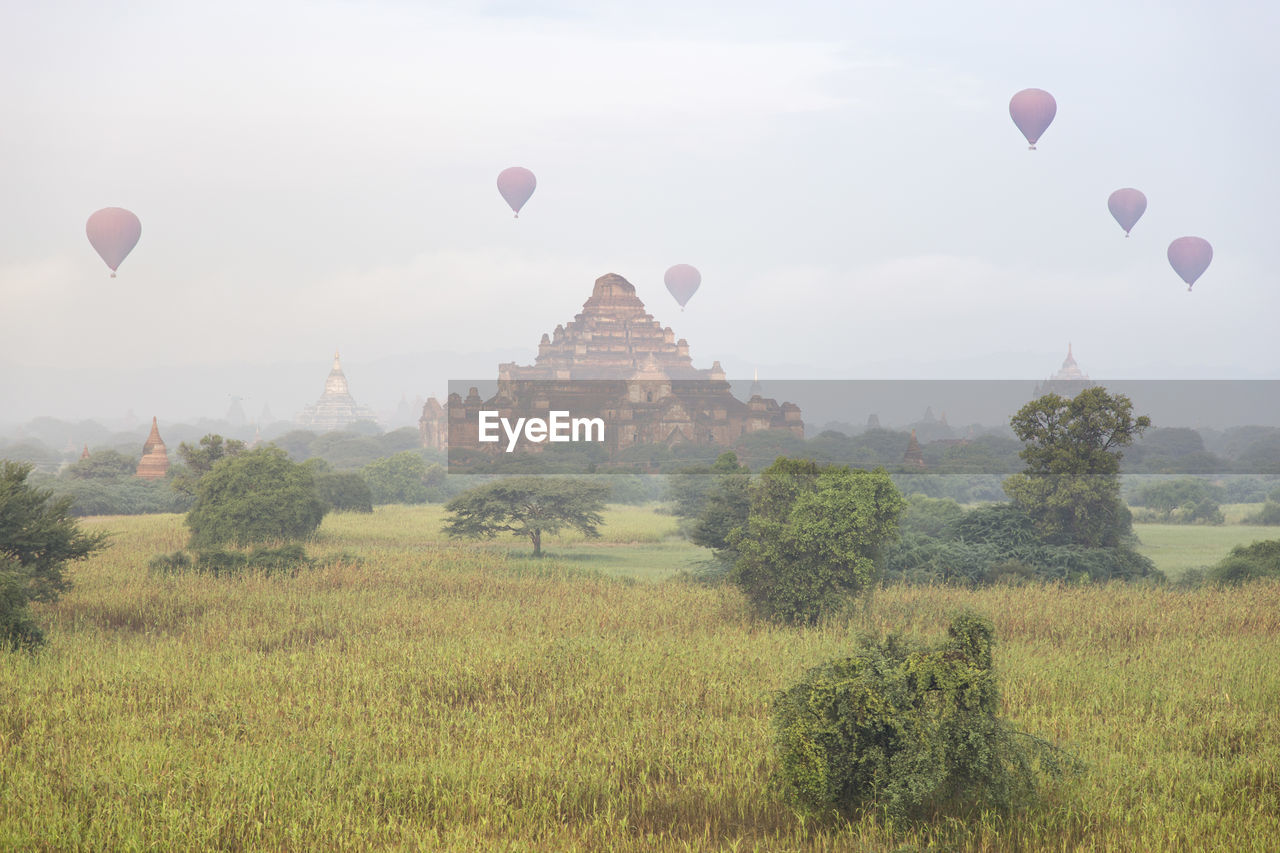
658, 425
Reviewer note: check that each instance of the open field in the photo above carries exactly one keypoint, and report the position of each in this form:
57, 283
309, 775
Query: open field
416, 693
1178, 547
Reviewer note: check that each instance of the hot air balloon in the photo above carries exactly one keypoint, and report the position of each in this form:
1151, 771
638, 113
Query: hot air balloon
1190, 257
516, 185
113, 232
1127, 206
1032, 110
682, 280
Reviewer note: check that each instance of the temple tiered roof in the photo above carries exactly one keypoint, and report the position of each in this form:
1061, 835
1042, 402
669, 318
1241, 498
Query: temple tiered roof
612, 338
642, 380
1068, 381
336, 408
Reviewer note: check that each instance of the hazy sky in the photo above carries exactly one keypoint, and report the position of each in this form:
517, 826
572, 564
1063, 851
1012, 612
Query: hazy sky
845, 176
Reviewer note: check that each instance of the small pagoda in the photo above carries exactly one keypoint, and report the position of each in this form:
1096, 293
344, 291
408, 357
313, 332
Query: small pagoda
914, 457
155, 457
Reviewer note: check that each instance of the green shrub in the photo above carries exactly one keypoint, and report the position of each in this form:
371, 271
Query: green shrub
813, 537
165, 564
342, 491
1248, 562
285, 559
907, 730
254, 497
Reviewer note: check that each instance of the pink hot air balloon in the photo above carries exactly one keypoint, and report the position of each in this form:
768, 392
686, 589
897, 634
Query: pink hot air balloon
516, 185
1032, 110
1189, 257
682, 280
113, 232
1127, 206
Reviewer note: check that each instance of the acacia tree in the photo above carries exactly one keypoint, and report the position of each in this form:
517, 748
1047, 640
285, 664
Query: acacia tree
528, 507
38, 537
1072, 448
813, 537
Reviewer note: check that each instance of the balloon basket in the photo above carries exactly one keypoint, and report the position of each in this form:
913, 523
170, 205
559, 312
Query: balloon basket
113, 275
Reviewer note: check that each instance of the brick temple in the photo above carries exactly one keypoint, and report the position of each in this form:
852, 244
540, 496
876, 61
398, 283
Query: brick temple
616, 360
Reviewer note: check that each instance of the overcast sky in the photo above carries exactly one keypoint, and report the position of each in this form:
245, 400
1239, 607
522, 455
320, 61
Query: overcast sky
845, 176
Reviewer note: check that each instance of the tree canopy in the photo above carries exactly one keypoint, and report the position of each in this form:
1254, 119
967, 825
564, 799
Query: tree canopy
200, 459
528, 507
255, 496
813, 536
1070, 487
38, 537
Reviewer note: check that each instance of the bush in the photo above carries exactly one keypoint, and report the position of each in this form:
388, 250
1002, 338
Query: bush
1248, 562
254, 497
285, 559
908, 730
344, 491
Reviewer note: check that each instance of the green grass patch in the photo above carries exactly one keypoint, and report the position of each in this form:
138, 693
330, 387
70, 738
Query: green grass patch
1175, 548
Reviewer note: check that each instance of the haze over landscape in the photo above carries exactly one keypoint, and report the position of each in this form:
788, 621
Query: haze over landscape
848, 181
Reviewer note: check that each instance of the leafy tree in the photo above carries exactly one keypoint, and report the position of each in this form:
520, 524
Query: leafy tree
907, 729
38, 538
398, 479
528, 507
1072, 449
727, 504
200, 459
103, 464
254, 496
812, 537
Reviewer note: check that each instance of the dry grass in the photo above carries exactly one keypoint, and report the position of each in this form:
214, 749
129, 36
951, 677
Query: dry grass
424, 694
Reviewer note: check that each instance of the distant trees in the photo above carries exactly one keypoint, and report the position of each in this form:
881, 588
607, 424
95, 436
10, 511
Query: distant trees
38, 538
103, 464
1072, 448
528, 507
254, 496
812, 537
1186, 500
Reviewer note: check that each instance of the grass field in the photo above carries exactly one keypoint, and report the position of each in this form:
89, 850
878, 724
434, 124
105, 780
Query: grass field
418, 693
1178, 547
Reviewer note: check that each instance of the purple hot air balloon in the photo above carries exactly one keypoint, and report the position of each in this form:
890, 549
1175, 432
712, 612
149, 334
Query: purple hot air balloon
113, 232
516, 185
682, 280
1190, 257
1032, 110
1127, 206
